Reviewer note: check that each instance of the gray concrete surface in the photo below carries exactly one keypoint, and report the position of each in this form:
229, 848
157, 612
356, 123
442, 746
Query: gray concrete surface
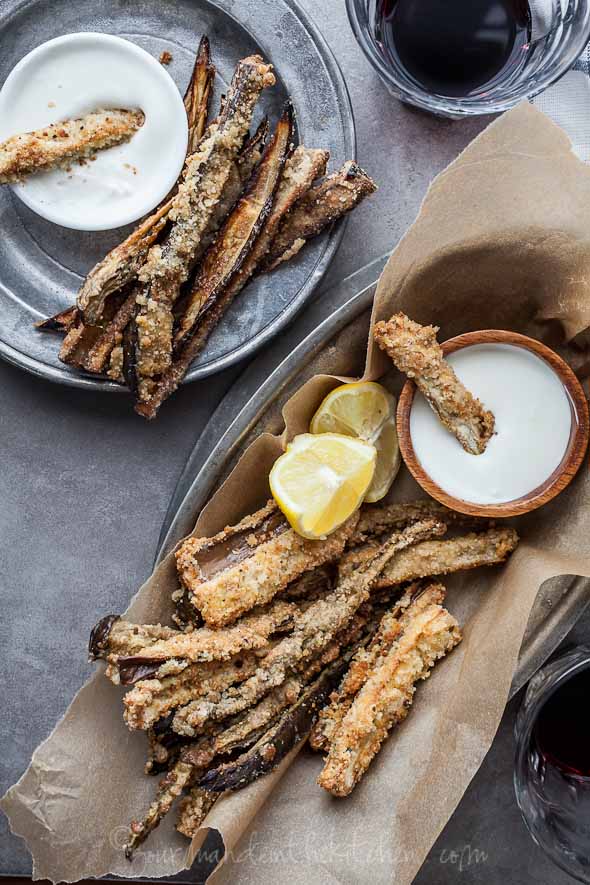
84, 485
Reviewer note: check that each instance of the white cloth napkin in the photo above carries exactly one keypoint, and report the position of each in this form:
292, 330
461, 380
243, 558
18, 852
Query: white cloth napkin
567, 102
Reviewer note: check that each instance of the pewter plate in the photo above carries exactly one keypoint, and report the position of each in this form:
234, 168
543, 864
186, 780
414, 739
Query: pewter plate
335, 345
42, 265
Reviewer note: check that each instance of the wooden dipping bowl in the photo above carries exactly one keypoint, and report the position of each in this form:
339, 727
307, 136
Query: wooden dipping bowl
561, 476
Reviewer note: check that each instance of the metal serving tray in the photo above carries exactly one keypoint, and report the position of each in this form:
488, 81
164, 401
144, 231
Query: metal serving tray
254, 404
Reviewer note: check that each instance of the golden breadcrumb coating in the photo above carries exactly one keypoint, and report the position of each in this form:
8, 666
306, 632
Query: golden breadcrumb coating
257, 578
428, 633
59, 144
416, 352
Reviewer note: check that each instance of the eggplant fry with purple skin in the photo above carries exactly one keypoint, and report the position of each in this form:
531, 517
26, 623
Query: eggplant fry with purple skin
122, 264
226, 256
168, 264
135, 651
440, 557
315, 210
428, 633
239, 585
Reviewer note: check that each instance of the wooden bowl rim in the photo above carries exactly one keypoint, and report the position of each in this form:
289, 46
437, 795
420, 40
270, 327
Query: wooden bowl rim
564, 472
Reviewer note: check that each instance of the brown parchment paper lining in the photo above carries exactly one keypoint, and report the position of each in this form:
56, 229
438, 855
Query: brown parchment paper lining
502, 241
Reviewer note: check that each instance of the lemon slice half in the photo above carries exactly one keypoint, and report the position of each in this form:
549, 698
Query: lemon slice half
321, 480
365, 410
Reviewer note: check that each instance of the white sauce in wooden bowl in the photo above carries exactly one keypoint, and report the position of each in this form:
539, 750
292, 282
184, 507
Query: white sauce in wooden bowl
532, 432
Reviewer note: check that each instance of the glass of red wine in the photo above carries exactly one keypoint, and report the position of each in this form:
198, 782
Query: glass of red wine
461, 57
552, 768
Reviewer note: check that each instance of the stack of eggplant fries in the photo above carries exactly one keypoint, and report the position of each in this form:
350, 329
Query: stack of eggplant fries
278, 639
243, 205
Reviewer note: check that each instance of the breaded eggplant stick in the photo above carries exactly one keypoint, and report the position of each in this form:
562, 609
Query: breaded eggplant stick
124, 649
313, 630
316, 209
292, 727
376, 519
257, 578
298, 174
416, 352
428, 633
441, 557
168, 264
62, 143
152, 699
179, 778
193, 809
122, 263
362, 664
240, 230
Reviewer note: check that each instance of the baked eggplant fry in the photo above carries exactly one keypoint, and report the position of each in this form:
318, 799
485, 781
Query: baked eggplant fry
361, 665
152, 699
376, 519
236, 238
63, 143
254, 580
122, 263
168, 264
113, 636
180, 777
293, 726
428, 633
313, 630
316, 209
193, 809
96, 358
252, 632
239, 176
416, 352
198, 94
440, 557
59, 322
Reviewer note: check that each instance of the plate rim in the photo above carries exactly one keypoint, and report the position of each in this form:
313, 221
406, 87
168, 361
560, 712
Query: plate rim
68, 378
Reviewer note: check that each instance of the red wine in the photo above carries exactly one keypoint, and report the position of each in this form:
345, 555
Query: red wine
454, 48
562, 730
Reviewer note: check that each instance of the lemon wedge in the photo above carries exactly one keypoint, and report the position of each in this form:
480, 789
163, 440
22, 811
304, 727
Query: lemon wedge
365, 410
321, 480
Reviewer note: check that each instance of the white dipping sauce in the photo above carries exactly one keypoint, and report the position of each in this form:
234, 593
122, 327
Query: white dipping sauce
74, 75
532, 431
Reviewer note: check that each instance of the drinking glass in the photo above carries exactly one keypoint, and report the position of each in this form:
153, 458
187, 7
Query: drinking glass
560, 29
554, 802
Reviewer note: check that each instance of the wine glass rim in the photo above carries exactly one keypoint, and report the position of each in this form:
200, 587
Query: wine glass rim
458, 107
